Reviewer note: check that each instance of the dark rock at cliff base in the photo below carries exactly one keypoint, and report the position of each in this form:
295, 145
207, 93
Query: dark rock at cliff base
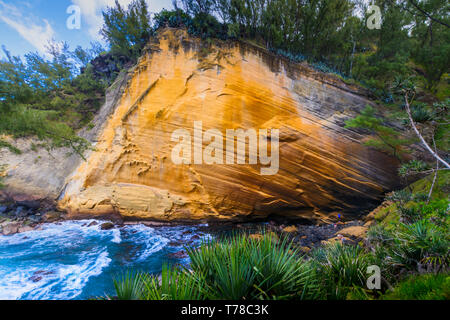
107, 226
105, 66
22, 212
315, 235
29, 204
52, 216
35, 219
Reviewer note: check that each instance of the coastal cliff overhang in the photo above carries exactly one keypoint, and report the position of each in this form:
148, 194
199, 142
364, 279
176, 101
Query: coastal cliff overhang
324, 168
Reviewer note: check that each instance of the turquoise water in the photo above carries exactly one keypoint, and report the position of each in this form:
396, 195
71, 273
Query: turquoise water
72, 260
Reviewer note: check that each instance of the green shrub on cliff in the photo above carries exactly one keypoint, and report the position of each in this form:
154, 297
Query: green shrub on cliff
9, 146
127, 30
2, 173
386, 138
49, 98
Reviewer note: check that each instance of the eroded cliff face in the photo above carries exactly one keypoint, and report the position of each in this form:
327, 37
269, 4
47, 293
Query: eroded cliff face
38, 175
324, 169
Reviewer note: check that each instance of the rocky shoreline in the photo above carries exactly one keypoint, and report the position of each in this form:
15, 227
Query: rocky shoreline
23, 217
308, 237
19, 218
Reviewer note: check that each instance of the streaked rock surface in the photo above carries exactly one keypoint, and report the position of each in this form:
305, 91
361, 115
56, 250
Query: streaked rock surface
324, 168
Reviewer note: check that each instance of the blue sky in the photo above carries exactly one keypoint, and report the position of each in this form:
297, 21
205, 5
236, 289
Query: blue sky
28, 25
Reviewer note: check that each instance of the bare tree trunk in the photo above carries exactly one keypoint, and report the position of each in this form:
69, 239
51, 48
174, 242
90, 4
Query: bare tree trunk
435, 175
408, 110
353, 56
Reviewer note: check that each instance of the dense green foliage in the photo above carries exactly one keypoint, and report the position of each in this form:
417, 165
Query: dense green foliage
130, 286
417, 239
127, 31
340, 268
269, 268
422, 287
242, 268
386, 138
412, 236
49, 98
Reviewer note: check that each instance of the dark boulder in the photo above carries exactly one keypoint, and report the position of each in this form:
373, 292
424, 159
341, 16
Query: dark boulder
107, 226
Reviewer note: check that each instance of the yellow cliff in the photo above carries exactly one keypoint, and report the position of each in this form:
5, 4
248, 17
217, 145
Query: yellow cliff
323, 168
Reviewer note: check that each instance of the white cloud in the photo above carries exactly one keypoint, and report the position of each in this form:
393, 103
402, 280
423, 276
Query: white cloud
38, 34
91, 11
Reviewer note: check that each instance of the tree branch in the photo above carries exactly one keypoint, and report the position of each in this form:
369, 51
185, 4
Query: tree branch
435, 174
408, 110
427, 14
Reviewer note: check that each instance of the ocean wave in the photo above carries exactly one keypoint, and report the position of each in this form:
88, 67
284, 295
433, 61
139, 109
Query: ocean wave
61, 261
52, 281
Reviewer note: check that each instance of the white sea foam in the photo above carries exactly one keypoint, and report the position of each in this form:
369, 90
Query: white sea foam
75, 277
15, 283
116, 236
146, 236
56, 282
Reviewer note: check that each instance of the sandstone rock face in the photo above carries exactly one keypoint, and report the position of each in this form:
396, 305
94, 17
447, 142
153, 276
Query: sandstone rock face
323, 167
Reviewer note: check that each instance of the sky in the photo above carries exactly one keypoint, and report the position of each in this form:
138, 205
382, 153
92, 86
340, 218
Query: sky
28, 25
